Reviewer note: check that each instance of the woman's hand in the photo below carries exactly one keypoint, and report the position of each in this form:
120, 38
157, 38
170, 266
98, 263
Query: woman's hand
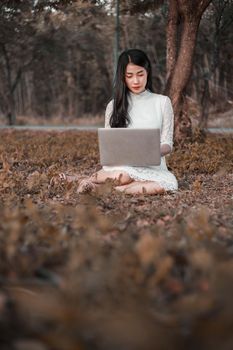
165, 149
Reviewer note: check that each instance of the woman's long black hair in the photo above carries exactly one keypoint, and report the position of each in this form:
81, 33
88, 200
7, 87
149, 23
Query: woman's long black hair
120, 117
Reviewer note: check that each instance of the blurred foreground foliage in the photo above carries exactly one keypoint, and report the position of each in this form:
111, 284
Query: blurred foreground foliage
108, 270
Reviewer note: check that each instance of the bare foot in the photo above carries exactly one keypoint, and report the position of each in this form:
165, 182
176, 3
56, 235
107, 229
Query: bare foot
87, 186
147, 188
123, 188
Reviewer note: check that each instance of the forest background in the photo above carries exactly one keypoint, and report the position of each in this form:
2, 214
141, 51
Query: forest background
57, 58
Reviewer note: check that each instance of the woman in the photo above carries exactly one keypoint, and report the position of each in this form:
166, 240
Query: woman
136, 106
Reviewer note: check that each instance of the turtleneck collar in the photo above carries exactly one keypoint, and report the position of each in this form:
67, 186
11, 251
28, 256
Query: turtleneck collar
140, 95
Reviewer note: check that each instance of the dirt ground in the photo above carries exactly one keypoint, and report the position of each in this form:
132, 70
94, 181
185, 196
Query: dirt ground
109, 270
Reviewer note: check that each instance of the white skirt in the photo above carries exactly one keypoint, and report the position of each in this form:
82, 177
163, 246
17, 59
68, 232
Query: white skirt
159, 173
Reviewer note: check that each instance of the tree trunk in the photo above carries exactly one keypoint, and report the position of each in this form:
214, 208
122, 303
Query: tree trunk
11, 86
182, 27
11, 117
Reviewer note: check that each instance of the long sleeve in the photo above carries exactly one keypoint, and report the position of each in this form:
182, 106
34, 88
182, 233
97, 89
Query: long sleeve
167, 124
108, 113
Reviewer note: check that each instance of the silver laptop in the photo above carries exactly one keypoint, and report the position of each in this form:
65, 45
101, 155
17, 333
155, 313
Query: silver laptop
133, 147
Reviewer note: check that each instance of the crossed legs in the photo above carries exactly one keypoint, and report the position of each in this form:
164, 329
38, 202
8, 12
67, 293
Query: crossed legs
92, 182
124, 183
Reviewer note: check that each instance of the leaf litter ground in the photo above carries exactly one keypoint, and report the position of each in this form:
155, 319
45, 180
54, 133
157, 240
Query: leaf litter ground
109, 270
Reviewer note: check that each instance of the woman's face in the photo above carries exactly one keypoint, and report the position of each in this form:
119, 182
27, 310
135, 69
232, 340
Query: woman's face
135, 78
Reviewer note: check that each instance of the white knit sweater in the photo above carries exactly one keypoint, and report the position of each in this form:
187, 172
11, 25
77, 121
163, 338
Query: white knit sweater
149, 110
